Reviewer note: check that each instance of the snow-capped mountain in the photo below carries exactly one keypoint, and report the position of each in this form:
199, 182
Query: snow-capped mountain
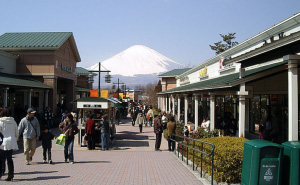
137, 65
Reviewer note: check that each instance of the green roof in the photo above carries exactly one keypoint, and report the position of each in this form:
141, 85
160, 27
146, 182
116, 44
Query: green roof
36, 41
81, 89
81, 71
174, 72
14, 80
221, 82
91, 99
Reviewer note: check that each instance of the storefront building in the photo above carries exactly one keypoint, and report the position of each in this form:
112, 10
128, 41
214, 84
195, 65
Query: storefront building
255, 81
48, 58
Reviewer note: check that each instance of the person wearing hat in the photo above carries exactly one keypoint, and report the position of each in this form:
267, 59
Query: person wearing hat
29, 127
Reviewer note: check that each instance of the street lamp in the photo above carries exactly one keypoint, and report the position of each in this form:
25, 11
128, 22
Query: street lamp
107, 78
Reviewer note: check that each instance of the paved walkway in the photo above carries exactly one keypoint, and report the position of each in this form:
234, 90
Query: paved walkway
131, 160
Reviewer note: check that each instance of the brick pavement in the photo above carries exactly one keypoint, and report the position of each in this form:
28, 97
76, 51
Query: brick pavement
131, 160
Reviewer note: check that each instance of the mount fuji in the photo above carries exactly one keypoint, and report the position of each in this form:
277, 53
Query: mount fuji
137, 65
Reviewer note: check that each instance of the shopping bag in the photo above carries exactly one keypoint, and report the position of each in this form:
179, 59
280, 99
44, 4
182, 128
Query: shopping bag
61, 140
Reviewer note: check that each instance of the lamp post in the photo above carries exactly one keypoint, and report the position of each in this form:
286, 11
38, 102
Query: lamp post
107, 78
118, 86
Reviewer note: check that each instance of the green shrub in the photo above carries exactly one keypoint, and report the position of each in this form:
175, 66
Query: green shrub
201, 133
228, 158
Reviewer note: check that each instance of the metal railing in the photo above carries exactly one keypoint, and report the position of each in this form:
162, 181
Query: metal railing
211, 153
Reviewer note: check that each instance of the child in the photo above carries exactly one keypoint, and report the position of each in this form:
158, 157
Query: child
47, 138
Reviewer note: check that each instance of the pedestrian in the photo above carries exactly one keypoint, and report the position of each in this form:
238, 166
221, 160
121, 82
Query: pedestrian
63, 117
2, 157
150, 116
9, 128
140, 120
49, 117
186, 131
46, 138
29, 127
104, 133
133, 115
164, 120
69, 128
171, 126
117, 116
74, 114
158, 131
90, 132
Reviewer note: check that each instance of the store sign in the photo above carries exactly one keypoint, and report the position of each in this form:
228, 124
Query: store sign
66, 68
94, 93
91, 105
203, 71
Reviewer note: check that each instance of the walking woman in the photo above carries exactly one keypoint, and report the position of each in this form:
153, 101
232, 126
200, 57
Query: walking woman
9, 129
140, 120
69, 128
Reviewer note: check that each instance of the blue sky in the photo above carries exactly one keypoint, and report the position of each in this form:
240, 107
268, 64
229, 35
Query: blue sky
179, 29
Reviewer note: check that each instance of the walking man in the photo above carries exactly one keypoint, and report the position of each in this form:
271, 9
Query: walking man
158, 131
30, 128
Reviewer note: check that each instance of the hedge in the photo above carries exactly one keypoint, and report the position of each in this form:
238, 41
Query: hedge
228, 158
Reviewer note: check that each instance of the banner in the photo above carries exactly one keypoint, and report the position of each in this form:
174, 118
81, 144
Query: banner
121, 96
93, 93
104, 93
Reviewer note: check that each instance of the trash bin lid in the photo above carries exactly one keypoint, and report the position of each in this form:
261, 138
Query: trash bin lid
258, 143
292, 144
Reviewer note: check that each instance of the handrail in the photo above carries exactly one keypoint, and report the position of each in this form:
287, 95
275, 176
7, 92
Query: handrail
183, 138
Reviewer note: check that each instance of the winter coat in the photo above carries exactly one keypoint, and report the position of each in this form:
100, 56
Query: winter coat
157, 125
29, 131
171, 126
140, 119
46, 139
90, 127
105, 126
69, 129
9, 129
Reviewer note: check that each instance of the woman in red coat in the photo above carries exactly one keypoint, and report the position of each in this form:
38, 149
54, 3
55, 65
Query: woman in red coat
90, 132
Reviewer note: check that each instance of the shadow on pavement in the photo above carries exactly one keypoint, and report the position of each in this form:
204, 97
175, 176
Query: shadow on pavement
34, 172
42, 178
81, 162
130, 135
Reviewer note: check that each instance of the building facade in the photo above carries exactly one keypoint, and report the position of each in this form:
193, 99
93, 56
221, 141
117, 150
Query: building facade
255, 81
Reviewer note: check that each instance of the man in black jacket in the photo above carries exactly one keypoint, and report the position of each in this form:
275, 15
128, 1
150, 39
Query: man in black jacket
158, 130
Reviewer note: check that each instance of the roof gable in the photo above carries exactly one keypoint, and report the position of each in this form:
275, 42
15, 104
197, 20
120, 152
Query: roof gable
37, 41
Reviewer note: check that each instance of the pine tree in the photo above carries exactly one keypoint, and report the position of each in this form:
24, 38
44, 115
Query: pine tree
220, 47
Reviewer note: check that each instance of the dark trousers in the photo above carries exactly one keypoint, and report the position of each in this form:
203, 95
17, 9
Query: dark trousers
141, 128
91, 141
45, 151
133, 122
2, 162
10, 163
158, 141
171, 144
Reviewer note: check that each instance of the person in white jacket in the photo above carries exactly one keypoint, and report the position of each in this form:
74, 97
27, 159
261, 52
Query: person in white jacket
9, 129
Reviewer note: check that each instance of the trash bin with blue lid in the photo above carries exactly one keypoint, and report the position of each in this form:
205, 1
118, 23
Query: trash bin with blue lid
291, 162
261, 163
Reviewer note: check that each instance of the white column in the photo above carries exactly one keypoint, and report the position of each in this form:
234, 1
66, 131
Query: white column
173, 107
29, 98
5, 95
46, 98
196, 111
292, 96
212, 111
169, 105
178, 106
166, 103
185, 109
242, 109
158, 104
